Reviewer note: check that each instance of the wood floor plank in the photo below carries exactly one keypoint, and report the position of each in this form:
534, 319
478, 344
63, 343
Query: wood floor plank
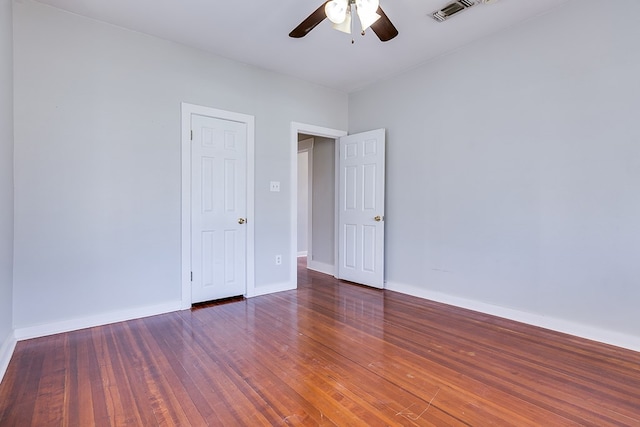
330, 354
343, 366
310, 371
49, 408
392, 363
240, 360
212, 380
18, 404
191, 396
560, 374
498, 360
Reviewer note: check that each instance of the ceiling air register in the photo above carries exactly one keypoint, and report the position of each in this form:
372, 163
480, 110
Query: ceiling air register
452, 9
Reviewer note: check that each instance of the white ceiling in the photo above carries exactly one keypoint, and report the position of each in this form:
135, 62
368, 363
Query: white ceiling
256, 32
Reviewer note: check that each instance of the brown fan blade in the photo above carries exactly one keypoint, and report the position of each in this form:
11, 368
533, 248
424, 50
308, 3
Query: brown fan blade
310, 23
383, 27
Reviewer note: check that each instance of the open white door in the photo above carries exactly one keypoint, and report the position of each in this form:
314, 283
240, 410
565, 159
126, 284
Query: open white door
361, 208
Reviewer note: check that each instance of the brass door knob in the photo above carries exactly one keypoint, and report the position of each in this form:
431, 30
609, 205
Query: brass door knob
241, 220
377, 218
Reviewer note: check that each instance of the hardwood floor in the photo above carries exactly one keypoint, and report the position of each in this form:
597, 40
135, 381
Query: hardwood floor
329, 353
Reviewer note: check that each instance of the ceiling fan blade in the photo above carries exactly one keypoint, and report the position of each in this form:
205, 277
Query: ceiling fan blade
383, 27
310, 23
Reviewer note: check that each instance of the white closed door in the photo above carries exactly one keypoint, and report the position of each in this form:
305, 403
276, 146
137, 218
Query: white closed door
218, 210
361, 208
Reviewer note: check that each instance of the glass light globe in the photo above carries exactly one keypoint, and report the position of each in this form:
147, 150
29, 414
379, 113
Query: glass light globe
367, 19
336, 10
344, 26
367, 6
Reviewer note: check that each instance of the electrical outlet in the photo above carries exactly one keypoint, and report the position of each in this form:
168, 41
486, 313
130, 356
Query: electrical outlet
278, 259
274, 186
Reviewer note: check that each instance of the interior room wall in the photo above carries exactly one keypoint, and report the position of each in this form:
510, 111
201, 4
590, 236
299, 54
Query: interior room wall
513, 167
303, 202
323, 204
6, 181
97, 161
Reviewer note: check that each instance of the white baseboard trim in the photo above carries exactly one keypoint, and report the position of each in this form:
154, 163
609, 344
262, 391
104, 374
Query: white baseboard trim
269, 289
302, 253
6, 351
321, 267
97, 320
630, 342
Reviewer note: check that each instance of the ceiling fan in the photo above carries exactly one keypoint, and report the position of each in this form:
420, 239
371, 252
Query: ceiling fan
369, 13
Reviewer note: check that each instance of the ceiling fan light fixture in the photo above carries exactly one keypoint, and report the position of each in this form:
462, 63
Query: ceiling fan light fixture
336, 10
370, 14
345, 25
366, 10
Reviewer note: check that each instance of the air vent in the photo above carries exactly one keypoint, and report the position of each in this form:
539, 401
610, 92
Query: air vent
452, 9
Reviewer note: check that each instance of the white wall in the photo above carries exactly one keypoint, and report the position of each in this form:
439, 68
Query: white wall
97, 161
514, 166
303, 201
6, 183
323, 205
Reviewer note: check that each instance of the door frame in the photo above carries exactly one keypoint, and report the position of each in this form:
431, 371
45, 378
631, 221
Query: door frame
312, 130
187, 110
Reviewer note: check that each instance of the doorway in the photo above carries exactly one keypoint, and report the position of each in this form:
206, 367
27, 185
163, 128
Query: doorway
204, 122
316, 202
320, 135
358, 208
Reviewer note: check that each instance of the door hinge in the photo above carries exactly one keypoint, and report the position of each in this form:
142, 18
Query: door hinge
192, 276
192, 134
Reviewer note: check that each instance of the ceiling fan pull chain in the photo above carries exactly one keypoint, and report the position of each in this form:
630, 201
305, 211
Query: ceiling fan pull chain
351, 32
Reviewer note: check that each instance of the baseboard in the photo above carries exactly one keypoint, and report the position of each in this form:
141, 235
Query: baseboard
97, 320
302, 253
617, 339
321, 267
6, 351
269, 289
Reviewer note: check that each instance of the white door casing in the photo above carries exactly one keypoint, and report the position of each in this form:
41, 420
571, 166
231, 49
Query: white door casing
217, 191
361, 170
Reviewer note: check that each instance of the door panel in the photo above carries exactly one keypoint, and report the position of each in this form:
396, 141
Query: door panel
218, 187
361, 208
